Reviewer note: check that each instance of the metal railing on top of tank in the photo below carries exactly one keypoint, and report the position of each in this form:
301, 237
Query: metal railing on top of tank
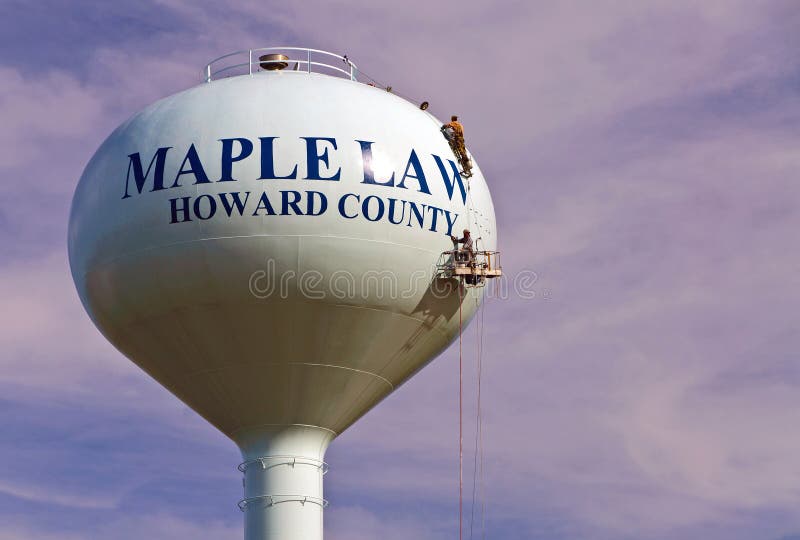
279, 58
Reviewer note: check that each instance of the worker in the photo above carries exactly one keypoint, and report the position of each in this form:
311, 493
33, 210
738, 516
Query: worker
467, 253
458, 129
456, 138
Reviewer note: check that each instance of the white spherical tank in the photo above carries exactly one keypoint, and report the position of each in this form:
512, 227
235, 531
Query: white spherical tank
265, 246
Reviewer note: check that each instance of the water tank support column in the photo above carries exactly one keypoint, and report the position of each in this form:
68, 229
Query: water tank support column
283, 483
283, 497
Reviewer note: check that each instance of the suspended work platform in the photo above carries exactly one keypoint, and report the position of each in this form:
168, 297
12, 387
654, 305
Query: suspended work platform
474, 267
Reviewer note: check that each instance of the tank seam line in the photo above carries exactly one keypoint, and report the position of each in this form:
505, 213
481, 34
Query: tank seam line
262, 364
238, 430
184, 242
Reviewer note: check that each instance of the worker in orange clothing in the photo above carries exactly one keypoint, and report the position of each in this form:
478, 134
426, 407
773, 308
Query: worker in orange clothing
454, 132
455, 125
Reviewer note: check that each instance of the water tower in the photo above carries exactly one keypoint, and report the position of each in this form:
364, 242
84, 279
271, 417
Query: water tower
264, 245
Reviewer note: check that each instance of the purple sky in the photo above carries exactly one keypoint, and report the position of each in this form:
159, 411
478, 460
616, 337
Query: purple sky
643, 161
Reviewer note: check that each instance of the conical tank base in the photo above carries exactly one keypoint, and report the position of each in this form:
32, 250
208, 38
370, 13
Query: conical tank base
283, 491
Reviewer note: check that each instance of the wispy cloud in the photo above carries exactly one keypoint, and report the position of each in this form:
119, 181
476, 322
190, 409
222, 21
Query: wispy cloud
643, 162
51, 495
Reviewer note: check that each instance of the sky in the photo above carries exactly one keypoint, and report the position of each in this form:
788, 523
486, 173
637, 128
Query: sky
643, 162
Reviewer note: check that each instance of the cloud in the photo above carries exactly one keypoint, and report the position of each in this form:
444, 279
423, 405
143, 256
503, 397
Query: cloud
356, 523
39, 110
643, 163
46, 338
50, 496
156, 526
22, 532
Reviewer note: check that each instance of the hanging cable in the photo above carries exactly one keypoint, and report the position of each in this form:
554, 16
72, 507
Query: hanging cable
477, 470
379, 84
482, 494
460, 416
477, 431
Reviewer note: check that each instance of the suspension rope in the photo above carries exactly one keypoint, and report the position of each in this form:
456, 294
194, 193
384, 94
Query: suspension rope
382, 86
477, 470
477, 450
460, 416
482, 494
378, 84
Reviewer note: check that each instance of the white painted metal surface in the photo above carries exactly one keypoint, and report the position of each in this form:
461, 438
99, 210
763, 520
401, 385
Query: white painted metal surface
280, 328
